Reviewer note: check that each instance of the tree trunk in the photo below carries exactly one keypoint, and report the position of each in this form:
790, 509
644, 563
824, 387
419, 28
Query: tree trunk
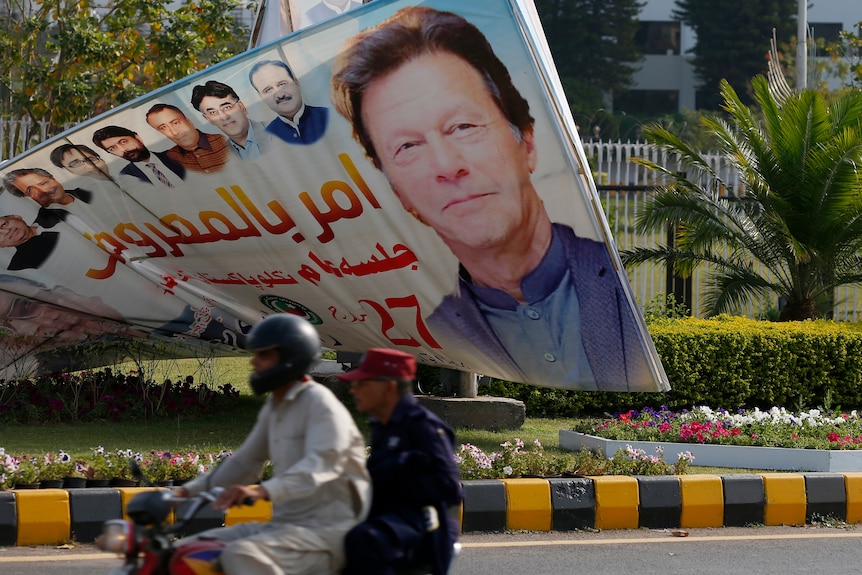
795, 310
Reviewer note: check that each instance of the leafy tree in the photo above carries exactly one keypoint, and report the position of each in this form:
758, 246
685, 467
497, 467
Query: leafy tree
66, 60
846, 57
733, 40
799, 212
593, 45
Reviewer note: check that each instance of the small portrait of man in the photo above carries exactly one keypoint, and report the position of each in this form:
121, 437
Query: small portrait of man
37, 320
40, 186
154, 168
80, 160
326, 9
437, 112
196, 150
32, 246
297, 122
220, 105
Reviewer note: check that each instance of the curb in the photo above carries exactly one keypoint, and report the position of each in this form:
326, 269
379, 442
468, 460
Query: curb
51, 516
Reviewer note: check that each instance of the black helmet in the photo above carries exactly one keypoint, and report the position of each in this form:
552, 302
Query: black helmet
298, 348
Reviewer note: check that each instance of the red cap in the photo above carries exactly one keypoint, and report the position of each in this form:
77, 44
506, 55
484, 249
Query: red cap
381, 362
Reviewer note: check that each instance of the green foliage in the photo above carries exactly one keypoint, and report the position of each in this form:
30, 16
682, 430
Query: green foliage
726, 361
592, 42
845, 58
664, 307
733, 39
798, 213
65, 61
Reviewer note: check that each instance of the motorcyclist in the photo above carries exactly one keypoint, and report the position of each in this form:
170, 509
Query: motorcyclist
413, 472
319, 488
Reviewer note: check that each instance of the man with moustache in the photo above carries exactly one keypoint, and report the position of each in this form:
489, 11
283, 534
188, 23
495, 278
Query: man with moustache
196, 150
437, 112
297, 122
155, 168
40, 186
32, 247
220, 105
80, 160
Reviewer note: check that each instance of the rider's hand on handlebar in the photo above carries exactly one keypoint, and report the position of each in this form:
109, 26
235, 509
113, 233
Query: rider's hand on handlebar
239, 495
180, 492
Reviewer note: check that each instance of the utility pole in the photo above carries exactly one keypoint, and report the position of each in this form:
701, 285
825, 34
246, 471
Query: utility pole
802, 45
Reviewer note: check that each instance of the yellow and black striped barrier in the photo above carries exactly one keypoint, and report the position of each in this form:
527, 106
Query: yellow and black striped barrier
50, 516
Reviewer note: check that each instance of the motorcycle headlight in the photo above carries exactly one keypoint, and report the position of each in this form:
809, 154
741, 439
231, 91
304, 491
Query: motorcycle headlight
117, 536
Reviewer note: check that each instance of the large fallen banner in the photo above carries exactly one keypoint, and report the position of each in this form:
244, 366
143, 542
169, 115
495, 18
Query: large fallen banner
406, 174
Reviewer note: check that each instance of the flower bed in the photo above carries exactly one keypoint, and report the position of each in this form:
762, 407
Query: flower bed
513, 460
810, 440
16, 470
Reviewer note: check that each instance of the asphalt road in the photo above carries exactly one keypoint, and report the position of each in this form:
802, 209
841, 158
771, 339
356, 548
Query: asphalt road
765, 550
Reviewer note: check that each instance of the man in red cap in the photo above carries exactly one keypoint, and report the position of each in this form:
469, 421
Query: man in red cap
413, 473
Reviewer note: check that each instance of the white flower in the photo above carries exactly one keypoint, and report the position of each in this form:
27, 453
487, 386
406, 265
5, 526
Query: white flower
508, 470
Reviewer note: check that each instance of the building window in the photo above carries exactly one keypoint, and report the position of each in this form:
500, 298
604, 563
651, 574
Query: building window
648, 102
654, 37
829, 31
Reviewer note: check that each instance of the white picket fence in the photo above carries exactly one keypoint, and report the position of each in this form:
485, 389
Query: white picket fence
623, 187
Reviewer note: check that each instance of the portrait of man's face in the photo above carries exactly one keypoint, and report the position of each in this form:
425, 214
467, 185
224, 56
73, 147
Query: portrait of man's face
36, 322
449, 152
227, 114
129, 148
176, 127
83, 164
280, 92
43, 190
14, 231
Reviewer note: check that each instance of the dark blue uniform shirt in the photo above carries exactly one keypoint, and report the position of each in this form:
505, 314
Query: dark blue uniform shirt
412, 465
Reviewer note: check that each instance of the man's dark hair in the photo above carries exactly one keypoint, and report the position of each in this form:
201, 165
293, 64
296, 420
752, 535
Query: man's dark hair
9, 179
103, 134
262, 63
160, 107
408, 34
60, 151
214, 89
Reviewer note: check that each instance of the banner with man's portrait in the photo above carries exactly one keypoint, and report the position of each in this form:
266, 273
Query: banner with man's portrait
405, 174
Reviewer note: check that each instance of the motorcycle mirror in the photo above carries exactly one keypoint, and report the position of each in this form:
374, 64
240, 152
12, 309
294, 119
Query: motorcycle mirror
138, 474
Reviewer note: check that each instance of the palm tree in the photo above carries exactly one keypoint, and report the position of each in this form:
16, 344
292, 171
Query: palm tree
798, 212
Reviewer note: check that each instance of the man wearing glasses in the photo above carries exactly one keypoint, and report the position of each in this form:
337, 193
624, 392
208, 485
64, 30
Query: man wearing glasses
220, 105
80, 160
413, 473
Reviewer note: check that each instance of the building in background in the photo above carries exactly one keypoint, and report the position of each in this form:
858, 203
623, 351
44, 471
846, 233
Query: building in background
666, 82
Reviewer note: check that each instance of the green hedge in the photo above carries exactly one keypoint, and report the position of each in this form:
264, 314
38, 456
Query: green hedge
728, 362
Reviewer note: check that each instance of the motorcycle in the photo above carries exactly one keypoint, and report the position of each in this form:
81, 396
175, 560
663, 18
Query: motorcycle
148, 542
